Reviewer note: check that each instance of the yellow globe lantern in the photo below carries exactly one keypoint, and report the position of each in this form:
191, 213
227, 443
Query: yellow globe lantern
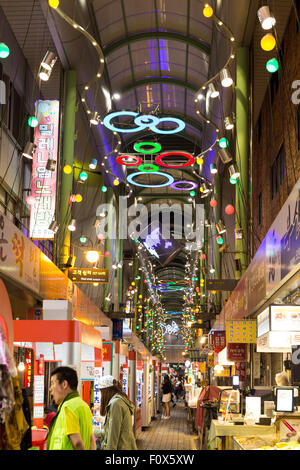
200, 161
53, 3
68, 169
268, 42
208, 11
116, 182
133, 283
78, 198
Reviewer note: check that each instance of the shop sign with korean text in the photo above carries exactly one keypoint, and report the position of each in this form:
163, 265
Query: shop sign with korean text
241, 331
19, 257
237, 352
90, 275
43, 184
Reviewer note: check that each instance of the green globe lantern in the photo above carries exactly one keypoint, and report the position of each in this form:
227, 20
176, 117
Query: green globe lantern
272, 65
4, 50
223, 143
104, 189
83, 176
33, 121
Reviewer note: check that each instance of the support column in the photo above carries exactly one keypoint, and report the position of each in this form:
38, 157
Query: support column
108, 248
242, 155
132, 381
68, 159
217, 217
135, 271
116, 360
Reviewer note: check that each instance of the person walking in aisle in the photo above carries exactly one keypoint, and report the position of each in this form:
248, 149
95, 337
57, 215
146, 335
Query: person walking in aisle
71, 428
118, 411
167, 396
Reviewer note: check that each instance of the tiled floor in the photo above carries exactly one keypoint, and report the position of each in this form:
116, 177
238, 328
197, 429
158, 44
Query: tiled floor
172, 434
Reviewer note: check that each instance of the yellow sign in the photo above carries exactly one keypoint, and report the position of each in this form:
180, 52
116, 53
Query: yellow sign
202, 367
211, 360
241, 331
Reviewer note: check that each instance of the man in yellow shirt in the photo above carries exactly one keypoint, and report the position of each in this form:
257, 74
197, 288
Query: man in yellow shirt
71, 428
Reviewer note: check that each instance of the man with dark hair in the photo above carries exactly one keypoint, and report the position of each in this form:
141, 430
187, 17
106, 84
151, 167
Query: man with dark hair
71, 428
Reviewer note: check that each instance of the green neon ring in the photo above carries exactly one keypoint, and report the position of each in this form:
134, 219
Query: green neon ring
156, 147
148, 165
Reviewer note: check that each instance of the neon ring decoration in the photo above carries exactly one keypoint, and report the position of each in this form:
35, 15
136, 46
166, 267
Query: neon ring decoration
143, 122
191, 186
159, 158
131, 177
139, 147
152, 168
121, 160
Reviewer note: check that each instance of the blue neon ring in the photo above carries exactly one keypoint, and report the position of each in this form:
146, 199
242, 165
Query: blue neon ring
165, 175
109, 117
179, 122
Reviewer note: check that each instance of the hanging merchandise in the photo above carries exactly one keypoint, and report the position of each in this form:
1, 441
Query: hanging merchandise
13, 424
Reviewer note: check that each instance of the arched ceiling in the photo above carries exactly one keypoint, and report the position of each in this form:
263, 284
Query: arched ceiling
157, 54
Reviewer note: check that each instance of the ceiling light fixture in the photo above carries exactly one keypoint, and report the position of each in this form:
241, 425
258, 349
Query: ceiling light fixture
225, 156
229, 125
93, 164
234, 172
214, 93
213, 169
95, 118
29, 150
226, 78
72, 225
265, 17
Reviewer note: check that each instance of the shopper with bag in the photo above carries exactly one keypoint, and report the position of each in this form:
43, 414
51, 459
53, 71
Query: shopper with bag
118, 411
167, 396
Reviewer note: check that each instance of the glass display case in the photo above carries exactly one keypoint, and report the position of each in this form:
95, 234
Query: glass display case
229, 402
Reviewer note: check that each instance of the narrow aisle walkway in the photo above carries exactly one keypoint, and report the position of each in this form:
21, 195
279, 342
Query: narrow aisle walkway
172, 434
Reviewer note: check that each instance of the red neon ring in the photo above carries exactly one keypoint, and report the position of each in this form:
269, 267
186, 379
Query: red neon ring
120, 160
159, 158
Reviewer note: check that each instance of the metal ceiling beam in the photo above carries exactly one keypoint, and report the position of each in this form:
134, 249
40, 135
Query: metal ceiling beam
165, 80
169, 35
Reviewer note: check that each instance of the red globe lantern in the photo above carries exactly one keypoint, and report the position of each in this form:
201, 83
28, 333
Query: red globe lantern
229, 209
203, 256
213, 203
130, 287
106, 253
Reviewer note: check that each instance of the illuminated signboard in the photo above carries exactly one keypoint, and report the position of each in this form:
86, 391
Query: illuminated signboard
87, 275
43, 184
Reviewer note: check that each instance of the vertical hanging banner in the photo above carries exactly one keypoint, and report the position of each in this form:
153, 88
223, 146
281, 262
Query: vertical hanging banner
218, 340
44, 170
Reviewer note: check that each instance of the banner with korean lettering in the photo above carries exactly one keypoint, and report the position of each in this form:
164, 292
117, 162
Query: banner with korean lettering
19, 257
43, 184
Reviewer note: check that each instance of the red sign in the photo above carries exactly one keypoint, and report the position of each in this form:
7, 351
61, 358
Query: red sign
240, 370
106, 351
237, 352
28, 371
219, 340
